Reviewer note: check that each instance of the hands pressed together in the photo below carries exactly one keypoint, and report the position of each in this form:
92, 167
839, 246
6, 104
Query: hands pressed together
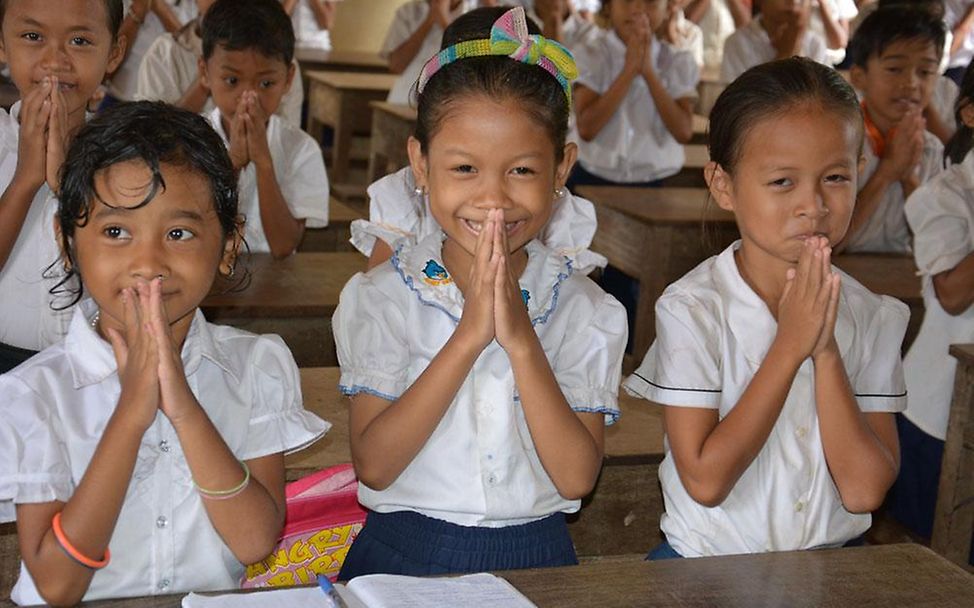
809, 303
150, 368
639, 46
904, 149
493, 305
248, 133
43, 134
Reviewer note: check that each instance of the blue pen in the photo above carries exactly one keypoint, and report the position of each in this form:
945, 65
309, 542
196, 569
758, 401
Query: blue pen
330, 592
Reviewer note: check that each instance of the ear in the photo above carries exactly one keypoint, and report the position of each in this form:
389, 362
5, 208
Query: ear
231, 248
857, 77
204, 75
417, 162
290, 77
720, 184
967, 113
117, 54
564, 169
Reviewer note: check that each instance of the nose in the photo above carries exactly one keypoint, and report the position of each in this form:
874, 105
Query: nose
813, 205
148, 262
492, 194
55, 58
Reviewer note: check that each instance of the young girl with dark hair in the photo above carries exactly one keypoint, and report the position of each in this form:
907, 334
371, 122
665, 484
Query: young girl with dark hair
779, 373
482, 368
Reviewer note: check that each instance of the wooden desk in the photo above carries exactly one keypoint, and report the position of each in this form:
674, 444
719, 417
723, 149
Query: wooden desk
691, 175
656, 235
392, 124
953, 522
335, 236
879, 575
700, 126
708, 90
293, 297
341, 101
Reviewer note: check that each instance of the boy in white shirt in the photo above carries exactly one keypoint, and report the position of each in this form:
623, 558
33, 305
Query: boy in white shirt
681, 32
248, 48
560, 21
170, 72
895, 54
311, 20
780, 31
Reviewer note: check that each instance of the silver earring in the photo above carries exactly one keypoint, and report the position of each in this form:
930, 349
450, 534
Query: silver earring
560, 192
419, 191
230, 271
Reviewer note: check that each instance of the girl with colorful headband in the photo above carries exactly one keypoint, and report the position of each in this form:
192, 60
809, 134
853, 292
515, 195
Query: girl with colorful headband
482, 368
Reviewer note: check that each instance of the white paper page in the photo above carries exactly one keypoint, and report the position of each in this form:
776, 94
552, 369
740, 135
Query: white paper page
392, 591
288, 597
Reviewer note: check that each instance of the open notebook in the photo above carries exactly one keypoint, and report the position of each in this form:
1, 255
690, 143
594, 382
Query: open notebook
381, 591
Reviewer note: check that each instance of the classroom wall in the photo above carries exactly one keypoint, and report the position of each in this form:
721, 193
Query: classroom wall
361, 25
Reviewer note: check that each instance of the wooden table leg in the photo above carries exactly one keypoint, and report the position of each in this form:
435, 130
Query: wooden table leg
953, 523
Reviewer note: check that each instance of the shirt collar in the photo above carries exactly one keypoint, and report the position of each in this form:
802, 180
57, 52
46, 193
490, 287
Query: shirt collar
422, 270
92, 360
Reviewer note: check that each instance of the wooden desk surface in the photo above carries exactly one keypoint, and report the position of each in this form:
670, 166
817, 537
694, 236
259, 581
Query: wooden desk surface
305, 284
357, 81
659, 205
891, 275
700, 124
405, 112
637, 436
360, 60
340, 213
697, 156
879, 575
963, 352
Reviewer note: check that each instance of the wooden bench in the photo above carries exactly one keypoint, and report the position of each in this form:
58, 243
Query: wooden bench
620, 516
9, 559
293, 297
340, 100
953, 524
335, 236
392, 124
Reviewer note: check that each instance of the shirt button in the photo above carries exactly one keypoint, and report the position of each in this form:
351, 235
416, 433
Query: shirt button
164, 446
492, 479
162, 522
799, 506
163, 584
801, 432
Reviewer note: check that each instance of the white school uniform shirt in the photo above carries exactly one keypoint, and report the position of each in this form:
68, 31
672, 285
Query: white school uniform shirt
716, 24
941, 215
575, 29
841, 9
635, 145
300, 171
123, 82
26, 317
712, 333
945, 93
691, 38
170, 66
407, 20
307, 33
750, 46
954, 11
397, 212
886, 230
54, 409
479, 467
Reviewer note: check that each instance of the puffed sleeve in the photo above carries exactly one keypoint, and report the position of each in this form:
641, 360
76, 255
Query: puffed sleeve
395, 212
404, 23
682, 76
370, 339
570, 231
306, 186
940, 219
278, 420
157, 75
34, 465
588, 366
592, 73
682, 367
878, 384
735, 57
291, 103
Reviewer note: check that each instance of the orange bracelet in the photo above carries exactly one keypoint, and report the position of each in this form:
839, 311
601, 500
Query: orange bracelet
74, 553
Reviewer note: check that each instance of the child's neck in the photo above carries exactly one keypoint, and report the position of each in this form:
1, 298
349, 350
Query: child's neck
764, 274
870, 118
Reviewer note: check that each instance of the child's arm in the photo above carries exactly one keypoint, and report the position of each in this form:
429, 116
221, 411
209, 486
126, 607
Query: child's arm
88, 518
569, 444
593, 110
385, 436
836, 28
677, 114
402, 55
711, 453
955, 287
899, 162
39, 156
289, 6
283, 230
324, 12
165, 14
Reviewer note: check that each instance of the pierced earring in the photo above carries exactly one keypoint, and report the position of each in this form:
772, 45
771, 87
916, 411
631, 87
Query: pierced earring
230, 271
560, 192
419, 191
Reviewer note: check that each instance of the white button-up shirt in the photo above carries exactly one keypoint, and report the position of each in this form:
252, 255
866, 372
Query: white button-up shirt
635, 145
712, 333
54, 409
941, 215
300, 171
26, 317
479, 467
750, 46
397, 211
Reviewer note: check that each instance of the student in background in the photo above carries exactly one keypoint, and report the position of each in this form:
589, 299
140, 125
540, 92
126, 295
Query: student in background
779, 373
247, 64
56, 71
941, 216
895, 54
680, 32
633, 100
717, 19
414, 36
170, 72
312, 20
959, 16
482, 369
560, 21
780, 31
830, 19
133, 449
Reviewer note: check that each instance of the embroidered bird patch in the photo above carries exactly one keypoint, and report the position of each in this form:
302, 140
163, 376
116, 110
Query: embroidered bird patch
526, 296
434, 274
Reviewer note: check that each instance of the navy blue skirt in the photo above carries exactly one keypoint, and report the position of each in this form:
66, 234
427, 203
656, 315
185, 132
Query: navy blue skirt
410, 543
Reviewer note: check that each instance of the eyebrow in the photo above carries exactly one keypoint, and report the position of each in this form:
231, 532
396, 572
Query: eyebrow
230, 68
106, 211
903, 56
460, 152
35, 23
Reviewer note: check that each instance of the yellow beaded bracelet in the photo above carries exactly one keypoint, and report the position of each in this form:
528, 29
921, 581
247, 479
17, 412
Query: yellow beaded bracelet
225, 494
